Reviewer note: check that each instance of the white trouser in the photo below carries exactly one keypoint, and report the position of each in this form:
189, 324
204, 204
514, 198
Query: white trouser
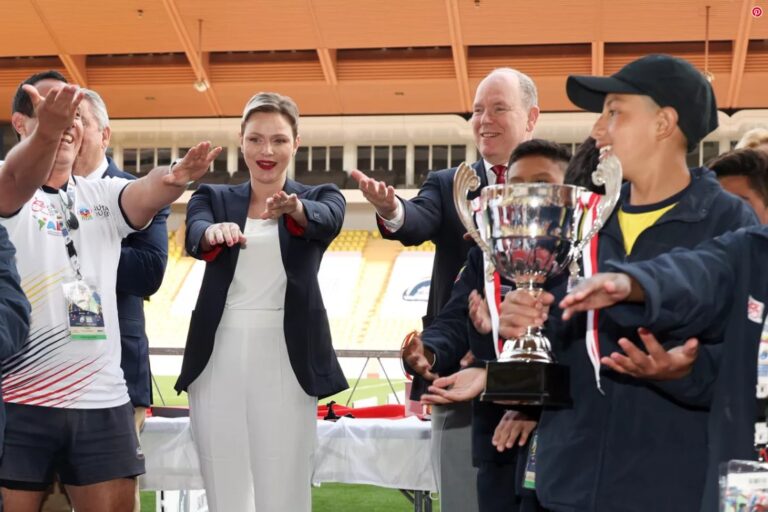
253, 425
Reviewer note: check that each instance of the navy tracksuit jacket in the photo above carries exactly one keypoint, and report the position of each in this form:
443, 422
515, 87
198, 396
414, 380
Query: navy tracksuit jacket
717, 292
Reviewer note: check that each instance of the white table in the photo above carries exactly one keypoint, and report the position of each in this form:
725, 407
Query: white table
382, 452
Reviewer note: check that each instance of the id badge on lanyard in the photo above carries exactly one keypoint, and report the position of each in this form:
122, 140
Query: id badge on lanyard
85, 314
762, 363
529, 478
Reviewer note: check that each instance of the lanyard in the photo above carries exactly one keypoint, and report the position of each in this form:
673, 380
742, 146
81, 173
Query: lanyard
493, 299
589, 265
69, 221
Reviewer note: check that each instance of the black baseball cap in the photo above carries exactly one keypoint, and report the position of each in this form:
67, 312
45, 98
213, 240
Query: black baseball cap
669, 81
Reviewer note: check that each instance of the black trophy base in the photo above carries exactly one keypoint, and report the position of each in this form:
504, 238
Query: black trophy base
527, 383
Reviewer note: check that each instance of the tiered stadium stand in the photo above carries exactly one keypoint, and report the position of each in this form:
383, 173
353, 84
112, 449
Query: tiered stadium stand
374, 291
352, 240
402, 302
164, 328
427, 246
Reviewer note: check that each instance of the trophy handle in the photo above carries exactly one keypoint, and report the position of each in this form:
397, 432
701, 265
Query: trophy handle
466, 180
609, 174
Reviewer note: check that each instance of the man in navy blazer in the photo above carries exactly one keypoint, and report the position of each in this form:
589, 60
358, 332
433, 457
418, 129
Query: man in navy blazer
143, 257
505, 111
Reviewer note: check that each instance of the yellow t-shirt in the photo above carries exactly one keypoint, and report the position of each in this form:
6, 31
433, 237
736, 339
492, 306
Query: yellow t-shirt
634, 223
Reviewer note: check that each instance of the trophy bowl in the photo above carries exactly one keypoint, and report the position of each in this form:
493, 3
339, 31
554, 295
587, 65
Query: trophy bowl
530, 233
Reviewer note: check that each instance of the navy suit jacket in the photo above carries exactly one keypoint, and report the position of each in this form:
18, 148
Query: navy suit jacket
143, 257
307, 332
14, 311
431, 215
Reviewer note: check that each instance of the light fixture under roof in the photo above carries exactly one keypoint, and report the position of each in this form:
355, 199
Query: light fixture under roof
201, 84
707, 73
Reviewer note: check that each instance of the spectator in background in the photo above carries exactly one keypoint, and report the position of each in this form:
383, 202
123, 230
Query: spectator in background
581, 166
756, 138
744, 172
143, 256
504, 114
259, 350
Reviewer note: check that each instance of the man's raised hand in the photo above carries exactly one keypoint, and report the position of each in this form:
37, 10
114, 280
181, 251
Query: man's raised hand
378, 193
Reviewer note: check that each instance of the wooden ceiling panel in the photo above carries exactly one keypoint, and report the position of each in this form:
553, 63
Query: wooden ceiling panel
400, 97
664, 20
720, 54
752, 94
493, 22
306, 71
382, 24
22, 33
242, 25
312, 99
110, 27
365, 56
410, 69
12, 76
149, 101
757, 57
552, 97
720, 85
759, 26
543, 60
99, 77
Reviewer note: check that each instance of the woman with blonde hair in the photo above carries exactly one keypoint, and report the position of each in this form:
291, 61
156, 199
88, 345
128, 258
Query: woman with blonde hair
259, 350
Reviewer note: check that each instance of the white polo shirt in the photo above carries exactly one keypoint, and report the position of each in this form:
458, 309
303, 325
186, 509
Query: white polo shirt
51, 369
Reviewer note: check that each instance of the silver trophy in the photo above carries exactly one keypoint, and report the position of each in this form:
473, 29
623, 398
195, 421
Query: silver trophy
531, 233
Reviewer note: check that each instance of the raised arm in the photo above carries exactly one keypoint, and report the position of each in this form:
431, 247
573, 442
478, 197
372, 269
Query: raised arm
320, 215
682, 298
685, 291
601, 291
143, 198
419, 218
28, 165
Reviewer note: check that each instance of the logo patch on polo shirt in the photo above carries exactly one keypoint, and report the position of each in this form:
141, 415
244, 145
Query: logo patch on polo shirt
755, 310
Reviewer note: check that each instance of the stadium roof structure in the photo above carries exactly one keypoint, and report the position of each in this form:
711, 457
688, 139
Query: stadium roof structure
204, 58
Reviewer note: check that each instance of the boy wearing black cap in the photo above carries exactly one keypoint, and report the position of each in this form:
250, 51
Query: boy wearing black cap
630, 444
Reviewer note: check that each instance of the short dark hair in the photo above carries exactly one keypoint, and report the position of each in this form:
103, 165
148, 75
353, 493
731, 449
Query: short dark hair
583, 163
21, 101
750, 163
540, 147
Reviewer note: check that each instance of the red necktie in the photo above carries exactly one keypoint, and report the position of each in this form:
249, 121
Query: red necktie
499, 171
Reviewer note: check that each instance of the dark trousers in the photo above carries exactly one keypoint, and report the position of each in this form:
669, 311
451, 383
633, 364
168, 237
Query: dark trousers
496, 490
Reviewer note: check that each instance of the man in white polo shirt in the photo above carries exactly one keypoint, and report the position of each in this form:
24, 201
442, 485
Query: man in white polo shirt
68, 411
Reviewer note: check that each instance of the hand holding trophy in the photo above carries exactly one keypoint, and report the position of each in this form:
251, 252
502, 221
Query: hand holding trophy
531, 233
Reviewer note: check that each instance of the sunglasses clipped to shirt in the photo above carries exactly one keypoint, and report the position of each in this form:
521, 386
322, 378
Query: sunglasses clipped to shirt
68, 202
